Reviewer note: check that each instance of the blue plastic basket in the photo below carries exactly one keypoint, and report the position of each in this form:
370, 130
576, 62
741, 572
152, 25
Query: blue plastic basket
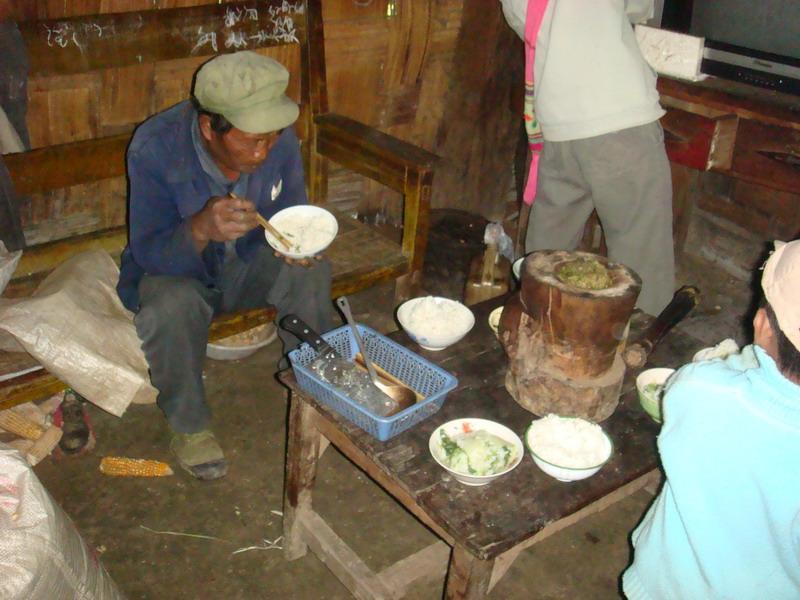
432, 382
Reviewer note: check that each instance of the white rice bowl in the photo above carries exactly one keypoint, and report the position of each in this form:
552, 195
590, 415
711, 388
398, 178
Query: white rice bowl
435, 322
310, 229
568, 448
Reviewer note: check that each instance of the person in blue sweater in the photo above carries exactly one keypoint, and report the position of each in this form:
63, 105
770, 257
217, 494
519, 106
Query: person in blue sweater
199, 172
726, 523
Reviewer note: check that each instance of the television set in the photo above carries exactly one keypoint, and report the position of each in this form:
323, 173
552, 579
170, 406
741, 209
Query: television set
753, 41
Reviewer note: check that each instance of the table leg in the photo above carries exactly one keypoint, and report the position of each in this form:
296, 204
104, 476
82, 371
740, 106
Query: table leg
302, 452
468, 576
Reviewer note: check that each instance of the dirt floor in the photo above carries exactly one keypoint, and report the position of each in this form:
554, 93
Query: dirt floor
142, 528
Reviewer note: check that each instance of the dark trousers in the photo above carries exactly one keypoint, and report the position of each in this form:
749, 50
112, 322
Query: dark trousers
175, 313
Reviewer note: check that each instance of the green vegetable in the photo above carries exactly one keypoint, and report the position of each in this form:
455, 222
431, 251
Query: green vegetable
476, 453
653, 390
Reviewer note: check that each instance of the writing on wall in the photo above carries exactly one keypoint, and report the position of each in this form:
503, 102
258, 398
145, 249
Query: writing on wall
241, 27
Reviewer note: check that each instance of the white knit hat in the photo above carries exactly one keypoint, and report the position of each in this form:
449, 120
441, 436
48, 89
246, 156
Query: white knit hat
781, 285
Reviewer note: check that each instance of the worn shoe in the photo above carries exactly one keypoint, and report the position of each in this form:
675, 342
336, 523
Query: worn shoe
74, 422
200, 454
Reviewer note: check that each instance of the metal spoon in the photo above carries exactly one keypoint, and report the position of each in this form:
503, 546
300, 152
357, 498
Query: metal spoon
403, 395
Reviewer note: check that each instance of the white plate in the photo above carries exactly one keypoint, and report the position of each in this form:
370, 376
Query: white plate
291, 222
230, 352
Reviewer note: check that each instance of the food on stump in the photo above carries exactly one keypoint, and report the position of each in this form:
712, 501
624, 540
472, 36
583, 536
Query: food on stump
587, 274
133, 467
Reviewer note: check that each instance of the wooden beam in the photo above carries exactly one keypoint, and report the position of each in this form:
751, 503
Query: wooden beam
429, 563
88, 43
64, 165
370, 152
349, 569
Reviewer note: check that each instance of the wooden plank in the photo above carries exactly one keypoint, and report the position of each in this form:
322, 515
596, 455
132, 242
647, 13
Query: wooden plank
342, 441
501, 564
66, 165
468, 577
302, 452
767, 155
349, 569
429, 563
30, 387
716, 96
648, 479
370, 152
93, 42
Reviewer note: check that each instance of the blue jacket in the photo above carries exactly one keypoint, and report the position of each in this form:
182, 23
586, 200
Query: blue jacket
168, 186
726, 524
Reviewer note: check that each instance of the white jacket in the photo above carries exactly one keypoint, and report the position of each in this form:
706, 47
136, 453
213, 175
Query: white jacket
590, 76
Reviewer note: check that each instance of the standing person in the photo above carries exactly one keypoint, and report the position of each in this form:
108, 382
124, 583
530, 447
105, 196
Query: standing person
726, 524
596, 102
199, 172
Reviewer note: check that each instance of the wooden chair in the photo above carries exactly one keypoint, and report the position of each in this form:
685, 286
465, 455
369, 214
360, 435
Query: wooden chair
109, 44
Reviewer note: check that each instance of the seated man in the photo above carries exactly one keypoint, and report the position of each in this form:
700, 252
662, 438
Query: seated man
727, 521
198, 173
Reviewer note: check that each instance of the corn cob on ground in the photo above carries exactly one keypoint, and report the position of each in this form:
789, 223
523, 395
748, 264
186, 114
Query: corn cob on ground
15, 423
133, 467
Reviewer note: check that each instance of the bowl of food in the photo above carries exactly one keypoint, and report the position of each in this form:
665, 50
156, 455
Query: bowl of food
516, 267
242, 344
650, 386
494, 320
568, 448
309, 230
475, 451
435, 322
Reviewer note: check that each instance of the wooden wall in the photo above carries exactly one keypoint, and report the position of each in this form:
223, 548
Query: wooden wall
438, 73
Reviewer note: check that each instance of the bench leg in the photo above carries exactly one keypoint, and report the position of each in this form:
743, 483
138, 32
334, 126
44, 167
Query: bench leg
302, 453
407, 286
468, 576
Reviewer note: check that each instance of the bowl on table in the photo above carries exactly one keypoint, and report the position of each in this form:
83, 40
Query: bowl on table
494, 320
516, 267
308, 228
650, 387
242, 344
568, 448
434, 322
458, 427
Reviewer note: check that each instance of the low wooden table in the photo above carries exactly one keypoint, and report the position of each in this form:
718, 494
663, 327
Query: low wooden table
486, 527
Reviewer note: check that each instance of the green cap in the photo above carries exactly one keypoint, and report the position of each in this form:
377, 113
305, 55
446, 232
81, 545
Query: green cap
247, 89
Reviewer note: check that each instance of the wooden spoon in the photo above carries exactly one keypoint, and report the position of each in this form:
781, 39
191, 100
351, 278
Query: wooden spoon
401, 394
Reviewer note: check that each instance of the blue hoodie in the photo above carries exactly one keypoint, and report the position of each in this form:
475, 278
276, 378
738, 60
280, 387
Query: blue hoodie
727, 521
168, 186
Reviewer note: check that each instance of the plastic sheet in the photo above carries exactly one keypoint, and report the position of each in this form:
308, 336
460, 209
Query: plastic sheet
42, 555
76, 327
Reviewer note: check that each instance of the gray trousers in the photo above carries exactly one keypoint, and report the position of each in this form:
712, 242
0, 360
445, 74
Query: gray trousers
175, 313
625, 176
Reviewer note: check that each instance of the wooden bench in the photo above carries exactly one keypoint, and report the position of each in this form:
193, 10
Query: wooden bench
361, 255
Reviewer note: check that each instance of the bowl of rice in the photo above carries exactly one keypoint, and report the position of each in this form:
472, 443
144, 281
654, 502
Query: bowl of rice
475, 451
568, 448
435, 322
308, 228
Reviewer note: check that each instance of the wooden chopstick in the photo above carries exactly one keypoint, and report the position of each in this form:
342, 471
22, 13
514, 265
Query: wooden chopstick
269, 227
